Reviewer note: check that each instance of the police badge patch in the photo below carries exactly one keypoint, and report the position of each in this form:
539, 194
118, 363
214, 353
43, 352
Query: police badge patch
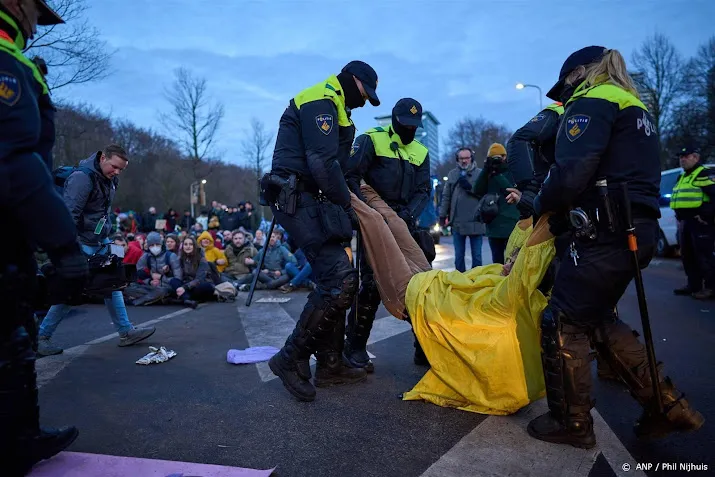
576, 125
537, 118
9, 88
354, 149
325, 123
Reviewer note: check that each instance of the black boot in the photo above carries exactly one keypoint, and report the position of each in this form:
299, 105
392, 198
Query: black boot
22, 442
331, 371
618, 345
291, 363
565, 359
360, 324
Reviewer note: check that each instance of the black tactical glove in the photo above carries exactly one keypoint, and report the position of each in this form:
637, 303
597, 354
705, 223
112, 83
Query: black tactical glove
354, 221
67, 281
464, 183
559, 224
526, 204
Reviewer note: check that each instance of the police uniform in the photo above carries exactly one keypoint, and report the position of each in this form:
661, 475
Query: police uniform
693, 200
530, 153
607, 133
29, 200
397, 166
314, 137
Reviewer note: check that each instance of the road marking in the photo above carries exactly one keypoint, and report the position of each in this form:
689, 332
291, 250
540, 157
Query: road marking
50, 366
270, 325
500, 446
77, 464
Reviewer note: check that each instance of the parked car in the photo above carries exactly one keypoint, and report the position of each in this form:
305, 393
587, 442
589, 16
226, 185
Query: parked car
668, 240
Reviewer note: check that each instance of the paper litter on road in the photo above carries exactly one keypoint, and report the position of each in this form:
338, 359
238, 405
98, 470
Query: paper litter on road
157, 355
256, 354
273, 300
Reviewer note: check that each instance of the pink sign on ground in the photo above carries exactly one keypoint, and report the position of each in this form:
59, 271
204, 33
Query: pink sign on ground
79, 464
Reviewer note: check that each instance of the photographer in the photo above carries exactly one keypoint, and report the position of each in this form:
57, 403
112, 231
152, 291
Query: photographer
491, 186
88, 194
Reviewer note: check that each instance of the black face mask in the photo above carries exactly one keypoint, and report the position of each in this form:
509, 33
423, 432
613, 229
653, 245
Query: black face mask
353, 96
566, 93
407, 135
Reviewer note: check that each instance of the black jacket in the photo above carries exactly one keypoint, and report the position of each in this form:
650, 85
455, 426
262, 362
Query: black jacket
530, 151
401, 184
312, 153
606, 133
89, 200
28, 198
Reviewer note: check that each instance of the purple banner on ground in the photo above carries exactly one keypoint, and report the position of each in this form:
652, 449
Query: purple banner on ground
79, 464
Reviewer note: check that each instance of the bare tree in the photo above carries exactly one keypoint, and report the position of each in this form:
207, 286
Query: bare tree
73, 51
192, 120
476, 134
659, 74
254, 146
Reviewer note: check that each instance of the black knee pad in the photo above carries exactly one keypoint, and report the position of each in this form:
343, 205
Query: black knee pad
343, 297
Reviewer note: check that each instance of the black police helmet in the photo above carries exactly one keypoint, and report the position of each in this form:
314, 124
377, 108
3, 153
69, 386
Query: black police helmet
582, 57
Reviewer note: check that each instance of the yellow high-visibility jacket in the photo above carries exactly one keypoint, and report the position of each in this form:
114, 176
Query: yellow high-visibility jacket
481, 330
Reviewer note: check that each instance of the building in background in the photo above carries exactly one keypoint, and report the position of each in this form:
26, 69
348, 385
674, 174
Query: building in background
428, 134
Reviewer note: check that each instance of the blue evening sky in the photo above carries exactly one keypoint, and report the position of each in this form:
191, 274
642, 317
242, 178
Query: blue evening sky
457, 58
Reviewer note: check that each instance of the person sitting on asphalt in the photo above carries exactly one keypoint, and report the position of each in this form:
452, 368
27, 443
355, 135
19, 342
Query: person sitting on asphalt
196, 285
274, 273
240, 255
211, 252
158, 266
479, 329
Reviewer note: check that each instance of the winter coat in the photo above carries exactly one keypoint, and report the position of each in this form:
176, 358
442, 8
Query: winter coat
89, 200
194, 276
212, 253
276, 258
237, 261
503, 224
149, 264
459, 205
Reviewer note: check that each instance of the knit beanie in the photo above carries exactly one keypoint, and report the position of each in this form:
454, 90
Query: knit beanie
496, 149
153, 239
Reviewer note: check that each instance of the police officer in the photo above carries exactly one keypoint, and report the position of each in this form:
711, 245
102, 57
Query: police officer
311, 201
29, 200
397, 166
530, 153
693, 200
607, 133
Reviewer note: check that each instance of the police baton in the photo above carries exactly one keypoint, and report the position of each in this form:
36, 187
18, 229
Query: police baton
640, 290
260, 263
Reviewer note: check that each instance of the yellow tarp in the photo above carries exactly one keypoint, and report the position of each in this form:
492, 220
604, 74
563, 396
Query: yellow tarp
480, 330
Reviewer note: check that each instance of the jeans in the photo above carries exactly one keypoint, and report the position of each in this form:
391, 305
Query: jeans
115, 306
460, 242
498, 246
298, 277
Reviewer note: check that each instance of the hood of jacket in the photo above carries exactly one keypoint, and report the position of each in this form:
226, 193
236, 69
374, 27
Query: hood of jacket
206, 236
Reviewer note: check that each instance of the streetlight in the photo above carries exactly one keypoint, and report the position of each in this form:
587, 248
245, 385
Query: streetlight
445, 178
193, 192
522, 86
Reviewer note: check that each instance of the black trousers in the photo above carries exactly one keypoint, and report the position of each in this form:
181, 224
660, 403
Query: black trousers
697, 245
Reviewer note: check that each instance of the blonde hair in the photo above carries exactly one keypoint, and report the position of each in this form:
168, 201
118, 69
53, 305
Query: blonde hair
614, 67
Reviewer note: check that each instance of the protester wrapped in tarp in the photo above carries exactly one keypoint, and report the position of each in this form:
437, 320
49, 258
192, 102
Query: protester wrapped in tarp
478, 329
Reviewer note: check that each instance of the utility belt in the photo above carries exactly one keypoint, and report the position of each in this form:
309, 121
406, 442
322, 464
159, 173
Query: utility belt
284, 195
608, 217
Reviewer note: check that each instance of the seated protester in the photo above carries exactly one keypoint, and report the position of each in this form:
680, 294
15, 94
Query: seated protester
172, 243
259, 240
158, 266
274, 274
239, 254
133, 252
300, 273
195, 282
479, 329
212, 253
227, 238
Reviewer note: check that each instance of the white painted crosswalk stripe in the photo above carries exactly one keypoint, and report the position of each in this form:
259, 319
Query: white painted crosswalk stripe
500, 446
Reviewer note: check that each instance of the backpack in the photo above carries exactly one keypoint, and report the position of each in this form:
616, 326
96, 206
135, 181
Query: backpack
61, 174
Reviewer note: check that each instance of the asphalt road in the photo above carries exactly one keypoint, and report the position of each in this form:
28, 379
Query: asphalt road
199, 408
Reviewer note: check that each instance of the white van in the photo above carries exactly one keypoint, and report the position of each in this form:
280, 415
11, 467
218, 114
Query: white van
668, 225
